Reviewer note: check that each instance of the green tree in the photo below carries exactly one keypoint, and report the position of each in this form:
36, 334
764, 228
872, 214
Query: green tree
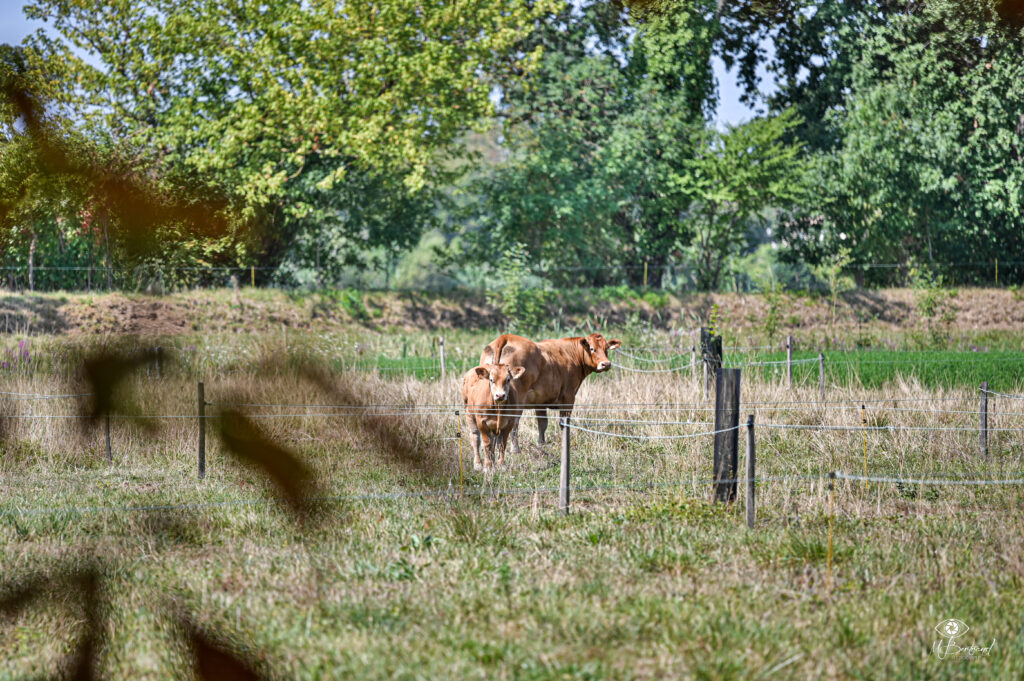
281, 104
594, 140
930, 136
732, 179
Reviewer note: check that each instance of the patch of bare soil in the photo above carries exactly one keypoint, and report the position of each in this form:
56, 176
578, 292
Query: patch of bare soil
118, 314
256, 311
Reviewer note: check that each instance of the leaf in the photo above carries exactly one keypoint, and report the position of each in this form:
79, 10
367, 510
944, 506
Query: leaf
214, 662
103, 374
80, 665
385, 432
248, 444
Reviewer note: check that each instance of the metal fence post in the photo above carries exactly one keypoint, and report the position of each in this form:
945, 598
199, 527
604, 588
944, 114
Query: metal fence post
563, 477
444, 370
751, 510
202, 431
821, 374
789, 360
984, 419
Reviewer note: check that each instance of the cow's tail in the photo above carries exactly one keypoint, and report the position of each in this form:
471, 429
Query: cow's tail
499, 345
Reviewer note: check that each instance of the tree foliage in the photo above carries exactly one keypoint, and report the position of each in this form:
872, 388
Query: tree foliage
929, 161
291, 108
732, 179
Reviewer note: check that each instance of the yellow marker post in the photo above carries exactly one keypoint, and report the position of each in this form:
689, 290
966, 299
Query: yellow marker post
645, 274
864, 423
458, 425
997, 271
253, 273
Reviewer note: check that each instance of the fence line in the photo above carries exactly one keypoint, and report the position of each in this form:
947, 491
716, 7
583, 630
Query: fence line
1006, 395
651, 360
653, 437
653, 371
801, 426
926, 481
452, 493
43, 396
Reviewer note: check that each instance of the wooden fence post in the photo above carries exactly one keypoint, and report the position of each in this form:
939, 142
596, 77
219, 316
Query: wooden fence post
727, 420
789, 360
110, 456
693, 361
751, 511
202, 431
821, 374
711, 353
984, 419
444, 370
563, 477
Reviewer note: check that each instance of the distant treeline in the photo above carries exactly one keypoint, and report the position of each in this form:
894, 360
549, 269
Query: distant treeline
295, 145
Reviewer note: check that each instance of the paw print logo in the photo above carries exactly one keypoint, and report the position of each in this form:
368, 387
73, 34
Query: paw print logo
951, 628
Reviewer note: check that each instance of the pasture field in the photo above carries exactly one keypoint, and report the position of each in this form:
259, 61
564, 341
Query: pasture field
412, 569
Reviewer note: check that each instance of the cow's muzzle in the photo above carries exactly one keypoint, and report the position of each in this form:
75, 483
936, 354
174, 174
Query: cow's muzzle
603, 366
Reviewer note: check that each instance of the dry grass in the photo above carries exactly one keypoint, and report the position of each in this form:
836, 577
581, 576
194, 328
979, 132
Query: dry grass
635, 583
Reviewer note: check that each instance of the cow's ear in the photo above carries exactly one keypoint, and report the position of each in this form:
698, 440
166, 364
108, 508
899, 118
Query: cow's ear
489, 352
517, 372
483, 372
614, 343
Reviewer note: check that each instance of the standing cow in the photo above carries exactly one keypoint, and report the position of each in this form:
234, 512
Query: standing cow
492, 401
554, 371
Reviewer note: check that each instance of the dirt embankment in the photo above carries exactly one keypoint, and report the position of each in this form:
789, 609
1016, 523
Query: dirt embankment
258, 310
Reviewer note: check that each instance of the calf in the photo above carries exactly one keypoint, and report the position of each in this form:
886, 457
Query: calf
554, 370
491, 400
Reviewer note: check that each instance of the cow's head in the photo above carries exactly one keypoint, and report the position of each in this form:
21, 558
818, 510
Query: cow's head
501, 377
595, 351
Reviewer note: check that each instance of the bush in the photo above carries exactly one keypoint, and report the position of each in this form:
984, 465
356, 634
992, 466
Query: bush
522, 297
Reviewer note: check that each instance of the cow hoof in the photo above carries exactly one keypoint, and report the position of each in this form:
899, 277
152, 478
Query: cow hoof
477, 466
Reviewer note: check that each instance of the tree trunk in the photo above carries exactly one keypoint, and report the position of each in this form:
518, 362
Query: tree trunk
106, 241
32, 262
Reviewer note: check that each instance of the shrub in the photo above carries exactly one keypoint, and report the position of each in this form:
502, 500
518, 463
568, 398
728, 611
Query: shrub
522, 297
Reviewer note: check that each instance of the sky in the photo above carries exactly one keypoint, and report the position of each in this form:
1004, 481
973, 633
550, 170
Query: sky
14, 27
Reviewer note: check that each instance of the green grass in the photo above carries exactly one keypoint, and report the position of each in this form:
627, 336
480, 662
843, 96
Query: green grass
658, 583
1003, 370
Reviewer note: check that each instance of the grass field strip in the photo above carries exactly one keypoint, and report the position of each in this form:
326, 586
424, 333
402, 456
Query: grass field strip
452, 493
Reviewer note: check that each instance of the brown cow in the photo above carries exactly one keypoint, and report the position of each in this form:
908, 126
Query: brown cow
493, 404
554, 371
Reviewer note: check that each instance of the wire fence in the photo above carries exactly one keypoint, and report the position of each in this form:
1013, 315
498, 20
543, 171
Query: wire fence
672, 277
452, 493
601, 420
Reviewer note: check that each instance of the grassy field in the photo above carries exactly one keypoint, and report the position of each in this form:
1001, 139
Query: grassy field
856, 369
415, 570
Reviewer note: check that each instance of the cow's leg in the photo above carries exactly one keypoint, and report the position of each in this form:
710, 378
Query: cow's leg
489, 442
542, 424
503, 445
515, 438
474, 436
